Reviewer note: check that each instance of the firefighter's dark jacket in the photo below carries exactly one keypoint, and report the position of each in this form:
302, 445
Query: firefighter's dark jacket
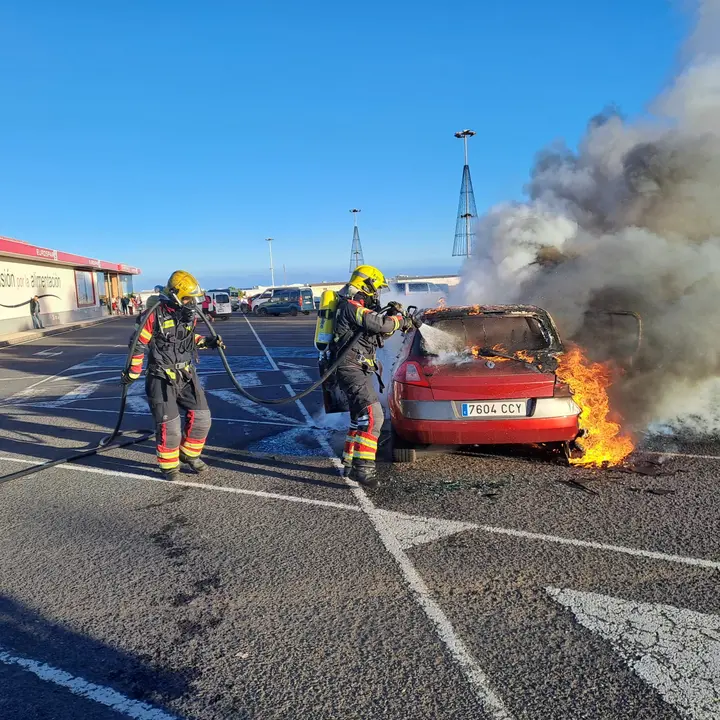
170, 343
352, 315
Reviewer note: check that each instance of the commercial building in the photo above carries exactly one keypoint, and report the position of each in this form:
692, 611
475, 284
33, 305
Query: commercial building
74, 287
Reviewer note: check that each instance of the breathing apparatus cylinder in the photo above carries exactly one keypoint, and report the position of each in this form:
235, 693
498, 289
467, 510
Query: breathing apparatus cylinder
325, 326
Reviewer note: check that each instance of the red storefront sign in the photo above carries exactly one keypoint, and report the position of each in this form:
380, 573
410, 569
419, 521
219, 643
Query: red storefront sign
33, 252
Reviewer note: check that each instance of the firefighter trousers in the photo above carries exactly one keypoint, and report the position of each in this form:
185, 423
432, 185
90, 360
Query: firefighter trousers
166, 398
366, 415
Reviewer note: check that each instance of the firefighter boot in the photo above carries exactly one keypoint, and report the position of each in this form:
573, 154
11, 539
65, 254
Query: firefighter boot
363, 472
171, 474
195, 463
346, 470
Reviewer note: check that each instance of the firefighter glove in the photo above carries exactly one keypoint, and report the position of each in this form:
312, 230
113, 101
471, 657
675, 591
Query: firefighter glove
126, 378
406, 324
395, 307
214, 343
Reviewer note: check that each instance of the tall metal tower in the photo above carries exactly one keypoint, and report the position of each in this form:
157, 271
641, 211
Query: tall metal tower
356, 253
464, 230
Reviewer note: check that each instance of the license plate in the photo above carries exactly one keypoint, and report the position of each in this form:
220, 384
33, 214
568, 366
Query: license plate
495, 408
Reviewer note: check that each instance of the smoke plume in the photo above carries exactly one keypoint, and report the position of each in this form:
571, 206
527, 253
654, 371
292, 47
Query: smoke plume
628, 221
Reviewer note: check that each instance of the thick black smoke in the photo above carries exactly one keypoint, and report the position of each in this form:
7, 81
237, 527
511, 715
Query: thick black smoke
629, 221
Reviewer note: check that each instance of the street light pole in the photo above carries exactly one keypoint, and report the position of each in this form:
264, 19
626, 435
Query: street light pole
272, 269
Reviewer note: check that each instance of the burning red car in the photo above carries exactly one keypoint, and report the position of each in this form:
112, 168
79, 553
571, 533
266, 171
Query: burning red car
481, 375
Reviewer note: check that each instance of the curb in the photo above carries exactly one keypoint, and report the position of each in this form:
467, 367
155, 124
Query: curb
56, 330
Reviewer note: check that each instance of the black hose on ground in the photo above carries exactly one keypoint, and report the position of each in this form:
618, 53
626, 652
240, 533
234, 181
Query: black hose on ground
282, 401
107, 443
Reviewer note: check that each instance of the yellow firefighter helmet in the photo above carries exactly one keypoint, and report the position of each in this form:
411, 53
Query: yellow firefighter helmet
181, 284
368, 279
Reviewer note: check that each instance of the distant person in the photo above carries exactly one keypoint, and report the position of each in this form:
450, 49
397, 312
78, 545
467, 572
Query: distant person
124, 304
35, 312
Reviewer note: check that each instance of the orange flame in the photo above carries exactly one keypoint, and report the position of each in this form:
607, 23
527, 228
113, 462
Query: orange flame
604, 442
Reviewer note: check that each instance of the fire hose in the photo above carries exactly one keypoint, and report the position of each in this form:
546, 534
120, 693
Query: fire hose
107, 443
27, 302
282, 401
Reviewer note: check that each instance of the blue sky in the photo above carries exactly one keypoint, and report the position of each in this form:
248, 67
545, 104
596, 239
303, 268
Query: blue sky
181, 134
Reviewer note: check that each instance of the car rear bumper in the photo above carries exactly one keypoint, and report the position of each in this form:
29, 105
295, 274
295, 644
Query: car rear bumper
438, 423
524, 431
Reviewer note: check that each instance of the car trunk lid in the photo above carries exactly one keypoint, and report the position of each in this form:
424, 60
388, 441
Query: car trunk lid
488, 379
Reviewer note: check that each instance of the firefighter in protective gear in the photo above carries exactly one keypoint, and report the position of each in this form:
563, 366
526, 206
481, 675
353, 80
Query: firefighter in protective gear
169, 339
358, 309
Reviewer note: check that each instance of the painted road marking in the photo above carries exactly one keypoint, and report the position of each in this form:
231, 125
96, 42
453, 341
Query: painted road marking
411, 530
493, 530
81, 392
297, 376
238, 363
187, 483
50, 352
289, 442
676, 651
78, 686
678, 454
648, 554
291, 352
489, 701
136, 401
65, 378
232, 397
284, 423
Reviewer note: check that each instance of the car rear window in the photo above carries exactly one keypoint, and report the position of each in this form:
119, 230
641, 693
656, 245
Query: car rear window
307, 296
222, 298
511, 332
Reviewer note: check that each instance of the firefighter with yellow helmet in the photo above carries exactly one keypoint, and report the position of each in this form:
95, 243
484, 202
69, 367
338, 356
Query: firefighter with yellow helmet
169, 339
358, 308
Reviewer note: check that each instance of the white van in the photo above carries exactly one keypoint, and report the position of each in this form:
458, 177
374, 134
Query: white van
220, 306
407, 287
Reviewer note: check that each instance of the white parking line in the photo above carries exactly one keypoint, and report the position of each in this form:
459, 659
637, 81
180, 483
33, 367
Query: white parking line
675, 650
78, 686
684, 455
650, 554
189, 483
291, 422
489, 700
387, 515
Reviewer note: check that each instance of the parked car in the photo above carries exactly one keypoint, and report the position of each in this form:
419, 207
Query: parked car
251, 301
220, 306
289, 301
477, 389
273, 293
261, 298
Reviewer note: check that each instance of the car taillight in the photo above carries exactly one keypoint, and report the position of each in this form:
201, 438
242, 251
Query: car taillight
411, 374
562, 389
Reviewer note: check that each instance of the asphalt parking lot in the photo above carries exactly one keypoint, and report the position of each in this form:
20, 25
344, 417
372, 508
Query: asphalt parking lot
478, 584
